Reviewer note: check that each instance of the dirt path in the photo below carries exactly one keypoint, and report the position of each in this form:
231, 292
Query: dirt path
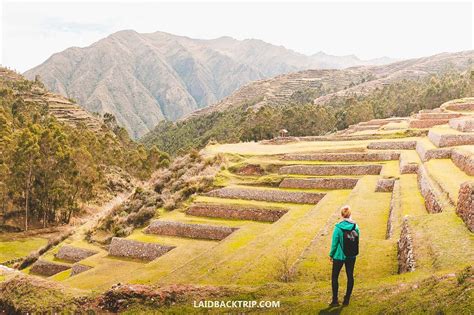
92, 220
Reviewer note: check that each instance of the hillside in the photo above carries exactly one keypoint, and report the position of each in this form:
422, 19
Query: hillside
56, 158
314, 102
144, 78
260, 228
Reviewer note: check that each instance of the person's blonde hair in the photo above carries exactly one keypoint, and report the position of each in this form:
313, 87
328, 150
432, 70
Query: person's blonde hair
346, 212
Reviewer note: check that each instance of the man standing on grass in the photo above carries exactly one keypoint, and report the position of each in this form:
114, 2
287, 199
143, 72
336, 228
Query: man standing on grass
344, 249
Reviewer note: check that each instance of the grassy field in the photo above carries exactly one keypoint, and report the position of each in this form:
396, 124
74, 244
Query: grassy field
20, 247
448, 176
255, 258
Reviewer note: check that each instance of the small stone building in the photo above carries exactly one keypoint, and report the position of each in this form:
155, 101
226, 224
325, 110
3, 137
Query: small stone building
283, 133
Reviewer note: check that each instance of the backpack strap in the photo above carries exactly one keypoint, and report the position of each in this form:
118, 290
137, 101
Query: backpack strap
354, 227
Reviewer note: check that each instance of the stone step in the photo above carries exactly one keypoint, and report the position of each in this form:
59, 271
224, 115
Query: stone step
344, 157
449, 139
328, 170
392, 145
405, 247
427, 123
319, 183
79, 268
435, 116
435, 200
47, 268
253, 213
465, 205
270, 195
464, 124
121, 247
385, 185
74, 254
409, 163
427, 151
468, 107
196, 231
464, 160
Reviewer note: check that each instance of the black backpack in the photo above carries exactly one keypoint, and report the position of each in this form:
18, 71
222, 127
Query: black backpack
351, 242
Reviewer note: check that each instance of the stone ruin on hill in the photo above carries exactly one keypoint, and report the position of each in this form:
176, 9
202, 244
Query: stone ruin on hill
319, 183
385, 185
392, 145
344, 157
267, 195
121, 247
263, 214
406, 257
328, 170
197, 231
449, 140
79, 268
431, 202
74, 254
47, 268
465, 206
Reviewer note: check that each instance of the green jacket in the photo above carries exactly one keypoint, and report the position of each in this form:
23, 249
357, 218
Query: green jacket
337, 251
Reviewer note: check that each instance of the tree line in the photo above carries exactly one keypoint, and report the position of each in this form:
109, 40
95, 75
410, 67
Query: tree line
48, 168
303, 118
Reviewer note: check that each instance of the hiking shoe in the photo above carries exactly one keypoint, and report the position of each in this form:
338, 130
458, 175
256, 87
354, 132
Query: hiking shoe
334, 304
346, 301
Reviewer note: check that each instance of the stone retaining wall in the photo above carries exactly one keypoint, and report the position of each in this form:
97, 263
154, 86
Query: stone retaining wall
434, 116
328, 170
394, 209
47, 268
392, 145
197, 231
133, 249
465, 206
463, 107
344, 157
406, 256
267, 195
432, 205
74, 254
250, 169
464, 160
319, 183
449, 140
374, 122
408, 167
463, 124
385, 185
427, 123
236, 212
78, 268
426, 155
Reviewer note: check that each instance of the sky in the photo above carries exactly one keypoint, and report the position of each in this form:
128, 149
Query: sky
32, 31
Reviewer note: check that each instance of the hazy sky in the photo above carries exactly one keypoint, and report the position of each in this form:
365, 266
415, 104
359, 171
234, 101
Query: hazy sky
34, 30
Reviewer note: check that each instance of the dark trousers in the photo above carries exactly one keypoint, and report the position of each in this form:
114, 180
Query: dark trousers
336, 269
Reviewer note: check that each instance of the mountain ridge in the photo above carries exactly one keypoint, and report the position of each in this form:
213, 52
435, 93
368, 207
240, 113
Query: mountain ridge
143, 78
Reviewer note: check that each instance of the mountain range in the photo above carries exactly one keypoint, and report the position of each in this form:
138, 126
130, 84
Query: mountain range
145, 78
315, 102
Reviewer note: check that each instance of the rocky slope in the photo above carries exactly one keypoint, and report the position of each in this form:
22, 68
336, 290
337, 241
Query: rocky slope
328, 85
314, 102
144, 78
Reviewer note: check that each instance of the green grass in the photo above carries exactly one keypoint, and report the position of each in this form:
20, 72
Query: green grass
448, 176
411, 201
61, 276
377, 255
250, 259
21, 247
